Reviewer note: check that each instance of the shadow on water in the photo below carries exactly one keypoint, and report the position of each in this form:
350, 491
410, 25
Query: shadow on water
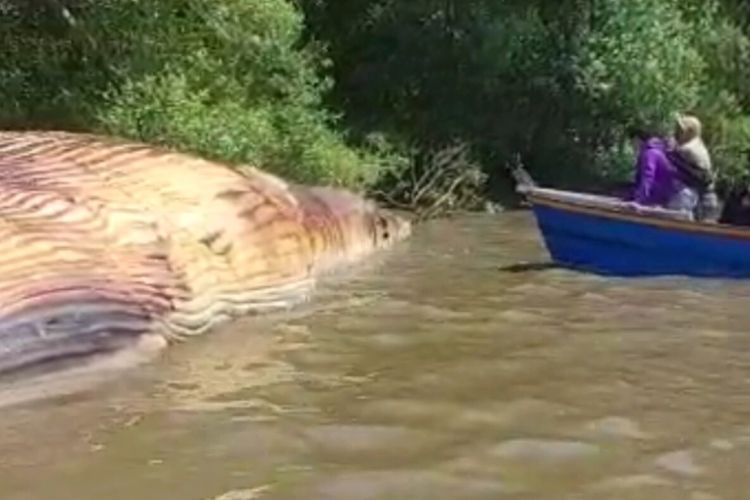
525, 267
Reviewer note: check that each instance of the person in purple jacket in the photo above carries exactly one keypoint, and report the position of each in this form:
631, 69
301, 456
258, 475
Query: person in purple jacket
657, 180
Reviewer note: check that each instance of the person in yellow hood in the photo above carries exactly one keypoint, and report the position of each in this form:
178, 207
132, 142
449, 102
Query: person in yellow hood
693, 161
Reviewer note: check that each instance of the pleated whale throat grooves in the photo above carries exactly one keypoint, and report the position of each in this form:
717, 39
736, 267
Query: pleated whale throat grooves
104, 242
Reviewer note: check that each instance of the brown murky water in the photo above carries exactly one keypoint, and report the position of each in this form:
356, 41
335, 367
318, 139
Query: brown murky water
435, 373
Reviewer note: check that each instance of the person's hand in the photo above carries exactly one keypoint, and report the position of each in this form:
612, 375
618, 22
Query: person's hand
632, 206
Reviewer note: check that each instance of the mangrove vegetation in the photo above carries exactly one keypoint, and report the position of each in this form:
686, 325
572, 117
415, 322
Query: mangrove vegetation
423, 103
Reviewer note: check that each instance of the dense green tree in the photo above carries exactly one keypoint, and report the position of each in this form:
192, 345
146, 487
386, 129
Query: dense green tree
451, 85
553, 82
225, 78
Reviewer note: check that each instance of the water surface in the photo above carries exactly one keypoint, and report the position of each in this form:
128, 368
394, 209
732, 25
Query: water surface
446, 369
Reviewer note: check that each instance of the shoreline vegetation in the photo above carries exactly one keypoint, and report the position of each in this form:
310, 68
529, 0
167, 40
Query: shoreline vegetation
422, 105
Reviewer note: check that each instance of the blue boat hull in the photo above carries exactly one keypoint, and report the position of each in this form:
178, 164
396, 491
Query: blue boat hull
633, 245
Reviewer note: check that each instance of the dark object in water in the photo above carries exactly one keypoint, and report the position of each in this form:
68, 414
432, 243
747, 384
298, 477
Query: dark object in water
524, 267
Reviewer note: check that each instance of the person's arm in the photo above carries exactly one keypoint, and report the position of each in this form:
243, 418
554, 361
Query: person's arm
646, 177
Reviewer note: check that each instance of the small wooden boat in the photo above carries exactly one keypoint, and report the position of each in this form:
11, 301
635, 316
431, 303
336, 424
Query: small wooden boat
608, 236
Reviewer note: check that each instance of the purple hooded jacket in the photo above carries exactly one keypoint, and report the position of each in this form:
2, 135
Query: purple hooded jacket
656, 179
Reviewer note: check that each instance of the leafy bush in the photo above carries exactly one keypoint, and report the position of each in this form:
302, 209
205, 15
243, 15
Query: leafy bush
637, 61
554, 82
724, 101
228, 79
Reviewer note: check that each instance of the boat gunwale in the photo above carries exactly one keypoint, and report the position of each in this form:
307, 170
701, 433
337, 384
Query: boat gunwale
712, 229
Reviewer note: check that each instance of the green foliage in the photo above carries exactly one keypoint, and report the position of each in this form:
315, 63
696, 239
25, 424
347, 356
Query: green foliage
637, 61
227, 79
256, 82
724, 100
554, 82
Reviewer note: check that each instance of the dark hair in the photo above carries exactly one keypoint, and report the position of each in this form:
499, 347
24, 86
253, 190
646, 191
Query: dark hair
639, 132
